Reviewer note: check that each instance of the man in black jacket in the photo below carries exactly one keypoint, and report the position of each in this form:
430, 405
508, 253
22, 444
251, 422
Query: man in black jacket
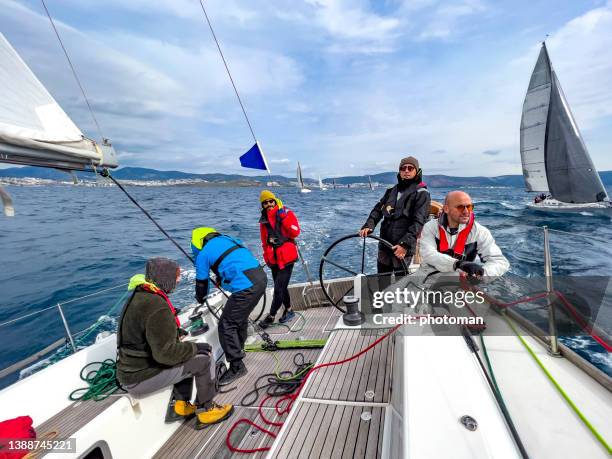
151, 355
404, 209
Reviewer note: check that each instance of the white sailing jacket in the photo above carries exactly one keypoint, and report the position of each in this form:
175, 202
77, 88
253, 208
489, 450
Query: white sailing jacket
479, 242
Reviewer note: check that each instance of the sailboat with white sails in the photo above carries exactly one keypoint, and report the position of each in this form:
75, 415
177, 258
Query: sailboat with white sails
300, 180
555, 159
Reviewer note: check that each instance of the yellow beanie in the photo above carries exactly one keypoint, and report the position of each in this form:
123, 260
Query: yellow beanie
266, 195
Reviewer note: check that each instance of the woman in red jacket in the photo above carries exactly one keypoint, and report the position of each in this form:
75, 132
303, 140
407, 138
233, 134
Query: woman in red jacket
279, 227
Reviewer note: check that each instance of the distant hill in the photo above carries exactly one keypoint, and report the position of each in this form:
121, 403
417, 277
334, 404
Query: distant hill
438, 180
144, 174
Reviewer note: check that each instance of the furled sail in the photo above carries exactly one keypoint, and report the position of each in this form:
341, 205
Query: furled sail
34, 130
533, 125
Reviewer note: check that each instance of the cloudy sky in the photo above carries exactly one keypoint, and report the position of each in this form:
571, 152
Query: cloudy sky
344, 86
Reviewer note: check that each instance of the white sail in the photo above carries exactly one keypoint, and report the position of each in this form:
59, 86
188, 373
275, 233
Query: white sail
533, 125
34, 130
321, 186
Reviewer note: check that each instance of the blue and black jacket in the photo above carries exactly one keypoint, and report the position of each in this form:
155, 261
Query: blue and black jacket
232, 267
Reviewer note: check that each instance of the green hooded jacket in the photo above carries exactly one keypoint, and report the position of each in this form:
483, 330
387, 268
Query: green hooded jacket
147, 338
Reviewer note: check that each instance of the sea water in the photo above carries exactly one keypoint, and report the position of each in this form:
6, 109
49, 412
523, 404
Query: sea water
66, 242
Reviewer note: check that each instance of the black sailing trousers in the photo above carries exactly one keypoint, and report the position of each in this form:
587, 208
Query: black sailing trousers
281, 291
234, 321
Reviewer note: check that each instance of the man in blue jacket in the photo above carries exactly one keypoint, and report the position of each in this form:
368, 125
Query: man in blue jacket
237, 271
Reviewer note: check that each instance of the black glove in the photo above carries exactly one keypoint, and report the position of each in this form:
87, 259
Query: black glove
204, 348
182, 332
470, 268
201, 290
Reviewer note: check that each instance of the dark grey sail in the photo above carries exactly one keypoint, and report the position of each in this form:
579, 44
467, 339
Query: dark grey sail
533, 125
572, 177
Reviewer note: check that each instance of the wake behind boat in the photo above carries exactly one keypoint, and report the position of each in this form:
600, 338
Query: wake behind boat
555, 159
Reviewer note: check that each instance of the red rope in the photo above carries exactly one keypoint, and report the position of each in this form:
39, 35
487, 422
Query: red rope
291, 398
252, 424
566, 303
585, 326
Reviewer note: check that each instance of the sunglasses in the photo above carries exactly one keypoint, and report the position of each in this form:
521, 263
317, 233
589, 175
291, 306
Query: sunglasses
462, 207
408, 168
268, 201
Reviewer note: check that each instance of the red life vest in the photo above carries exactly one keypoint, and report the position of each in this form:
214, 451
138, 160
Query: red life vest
459, 248
16, 430
157, 291
278, 237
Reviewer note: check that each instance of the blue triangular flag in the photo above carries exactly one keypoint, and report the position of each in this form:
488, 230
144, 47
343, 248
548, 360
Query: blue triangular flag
254, 159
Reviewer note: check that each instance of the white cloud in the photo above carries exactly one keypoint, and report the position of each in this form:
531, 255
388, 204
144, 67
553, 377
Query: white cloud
350, 87
581, 53
447, 16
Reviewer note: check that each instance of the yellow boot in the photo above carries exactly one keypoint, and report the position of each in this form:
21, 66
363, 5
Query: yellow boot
179, 410
213, 415
183, 408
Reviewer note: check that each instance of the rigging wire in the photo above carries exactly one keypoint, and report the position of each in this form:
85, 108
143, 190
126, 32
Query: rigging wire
106, 173
76, 77
228, 71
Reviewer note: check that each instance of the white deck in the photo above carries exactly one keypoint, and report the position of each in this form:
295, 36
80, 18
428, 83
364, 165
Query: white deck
546, 423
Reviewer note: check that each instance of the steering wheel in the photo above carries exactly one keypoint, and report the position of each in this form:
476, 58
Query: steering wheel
328, 258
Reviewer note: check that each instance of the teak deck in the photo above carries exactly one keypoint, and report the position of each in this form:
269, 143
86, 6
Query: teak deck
341, 411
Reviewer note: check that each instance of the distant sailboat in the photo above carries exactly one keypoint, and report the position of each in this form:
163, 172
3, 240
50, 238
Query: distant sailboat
370, 183
555, 160
300, 180
321, 186
334, 183
34, 130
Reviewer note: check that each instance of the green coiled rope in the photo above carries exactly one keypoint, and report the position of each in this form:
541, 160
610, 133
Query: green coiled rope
102, 382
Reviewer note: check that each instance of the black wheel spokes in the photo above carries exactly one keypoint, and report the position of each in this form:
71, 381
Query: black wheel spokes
350, 271
344, 294
363, 256
325, 259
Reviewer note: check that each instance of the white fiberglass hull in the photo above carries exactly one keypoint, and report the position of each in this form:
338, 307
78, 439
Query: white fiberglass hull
552, 205
305, 190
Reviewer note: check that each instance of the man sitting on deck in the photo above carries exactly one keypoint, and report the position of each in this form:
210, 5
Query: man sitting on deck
452, 242
151, 355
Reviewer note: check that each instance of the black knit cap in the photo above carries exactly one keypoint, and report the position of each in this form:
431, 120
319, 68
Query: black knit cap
162, 272
409, 160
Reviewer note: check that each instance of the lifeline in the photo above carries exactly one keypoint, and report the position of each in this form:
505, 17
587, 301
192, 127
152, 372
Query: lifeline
407, 319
